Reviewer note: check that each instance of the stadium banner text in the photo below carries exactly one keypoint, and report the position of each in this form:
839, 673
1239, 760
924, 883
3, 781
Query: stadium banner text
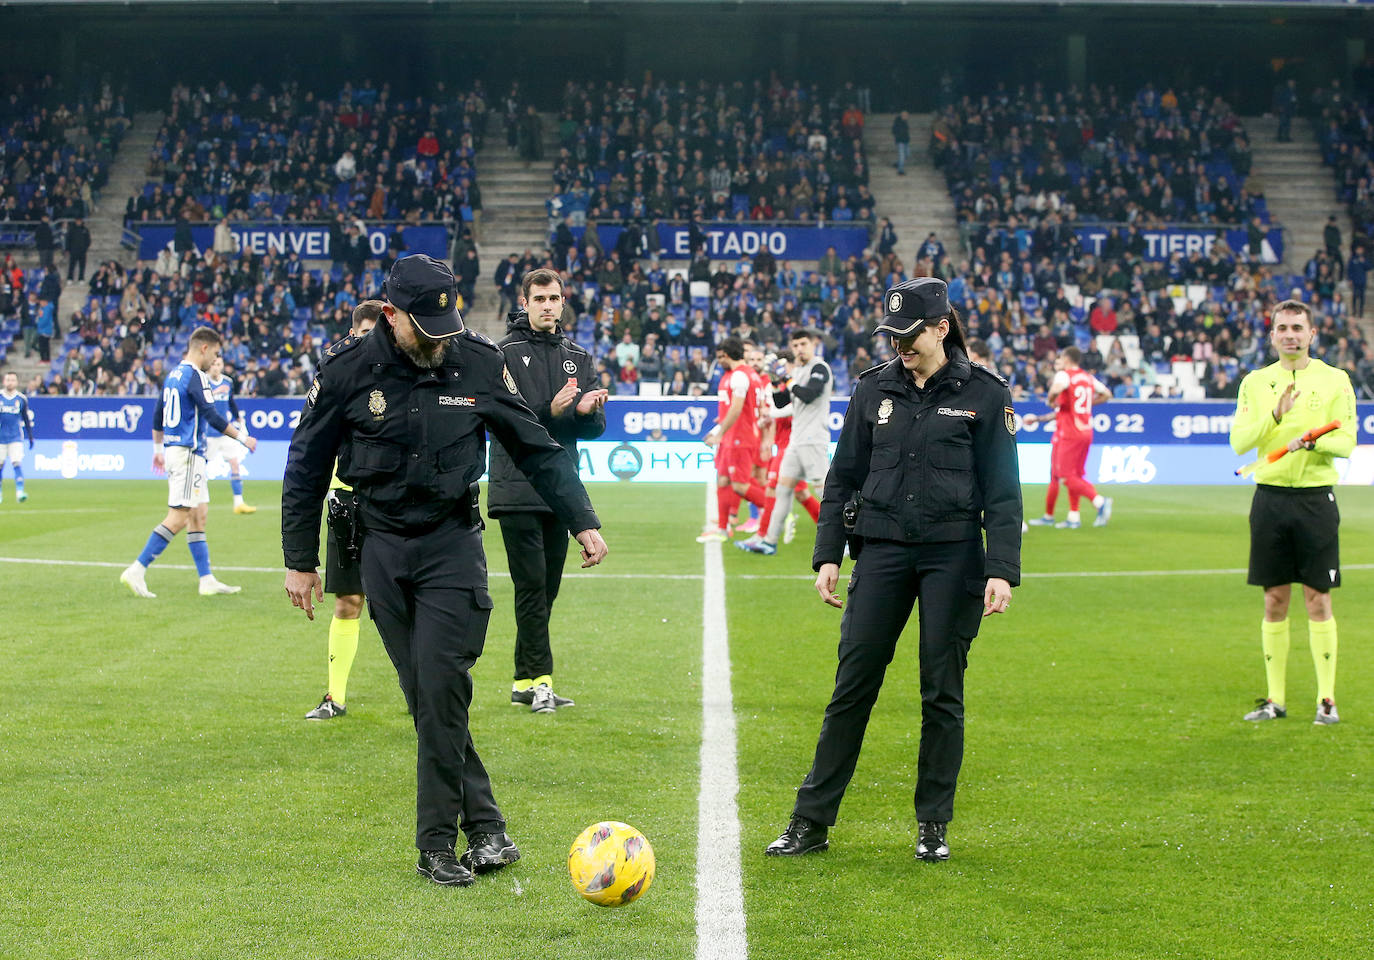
733, 240
660, 439
308, 241
1161, 243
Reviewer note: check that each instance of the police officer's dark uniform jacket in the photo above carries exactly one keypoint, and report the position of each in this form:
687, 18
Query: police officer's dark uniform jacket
412, 444
928, 465
541, 363
931, 469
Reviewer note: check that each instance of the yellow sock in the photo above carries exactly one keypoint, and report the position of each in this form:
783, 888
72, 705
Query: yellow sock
520, 686
1321, 635
544, 679
343, 644
1274, 639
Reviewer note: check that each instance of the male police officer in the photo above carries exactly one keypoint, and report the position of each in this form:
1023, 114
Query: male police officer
557, 378
405, 410
927, 455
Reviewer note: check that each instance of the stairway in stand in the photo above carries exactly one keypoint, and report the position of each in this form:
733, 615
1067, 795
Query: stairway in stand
514, 192
106, 223
917, 203
1301, 194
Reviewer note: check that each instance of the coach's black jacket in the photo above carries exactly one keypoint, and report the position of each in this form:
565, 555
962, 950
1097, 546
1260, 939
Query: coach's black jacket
412, 442
541, 364
932, 465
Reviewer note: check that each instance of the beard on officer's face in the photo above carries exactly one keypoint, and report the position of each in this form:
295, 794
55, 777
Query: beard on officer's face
418, 348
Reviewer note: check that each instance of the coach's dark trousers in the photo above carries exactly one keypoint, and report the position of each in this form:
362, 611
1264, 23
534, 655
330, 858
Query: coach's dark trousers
428, 597
888, 580
536, 547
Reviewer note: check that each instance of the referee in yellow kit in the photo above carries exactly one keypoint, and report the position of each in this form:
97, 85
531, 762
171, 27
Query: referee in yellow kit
1294, 522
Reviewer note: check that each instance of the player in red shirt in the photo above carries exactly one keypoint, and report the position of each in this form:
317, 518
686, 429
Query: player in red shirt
1072, 394
754, 363
736, 439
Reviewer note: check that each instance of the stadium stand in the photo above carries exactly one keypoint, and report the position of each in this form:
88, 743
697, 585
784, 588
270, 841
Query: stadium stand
294, 155
756, 151
1023, 168
57, 149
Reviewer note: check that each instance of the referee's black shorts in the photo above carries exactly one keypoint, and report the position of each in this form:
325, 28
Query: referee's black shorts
1294, 537
343, 576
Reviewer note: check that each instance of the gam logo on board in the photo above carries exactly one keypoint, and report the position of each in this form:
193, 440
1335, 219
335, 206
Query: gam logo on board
123, 418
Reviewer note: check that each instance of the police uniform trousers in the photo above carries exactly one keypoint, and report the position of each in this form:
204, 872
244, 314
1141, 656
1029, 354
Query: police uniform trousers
428, 596
536, 547
888, 579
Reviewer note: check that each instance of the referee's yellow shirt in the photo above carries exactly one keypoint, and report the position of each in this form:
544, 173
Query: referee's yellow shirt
1324, 394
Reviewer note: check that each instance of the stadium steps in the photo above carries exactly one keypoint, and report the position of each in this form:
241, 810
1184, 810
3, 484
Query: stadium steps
513, 215
1299, 190
916, 203
106, 225
127, 176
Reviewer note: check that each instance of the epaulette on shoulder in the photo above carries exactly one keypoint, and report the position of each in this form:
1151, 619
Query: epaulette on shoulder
990, 374
476, 337
874, 369
337, 350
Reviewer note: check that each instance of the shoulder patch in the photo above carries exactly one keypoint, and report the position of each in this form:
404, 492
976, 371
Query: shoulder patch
978, 368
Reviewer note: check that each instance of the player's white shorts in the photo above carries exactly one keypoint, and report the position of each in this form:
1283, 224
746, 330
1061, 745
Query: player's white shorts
14, 452
808, 461
187, 474
222, 447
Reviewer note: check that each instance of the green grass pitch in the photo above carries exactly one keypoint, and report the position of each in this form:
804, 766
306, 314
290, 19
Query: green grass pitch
160, 795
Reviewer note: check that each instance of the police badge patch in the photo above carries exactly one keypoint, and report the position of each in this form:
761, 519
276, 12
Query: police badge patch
314, 393
885, 408
1010, 420
894, 303
376, 404
510, 381
443, 301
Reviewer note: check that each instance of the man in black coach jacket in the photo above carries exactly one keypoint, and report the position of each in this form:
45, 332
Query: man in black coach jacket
557, 380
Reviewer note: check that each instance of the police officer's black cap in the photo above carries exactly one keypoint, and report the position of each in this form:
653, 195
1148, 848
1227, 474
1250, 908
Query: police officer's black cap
426, 289
911, 303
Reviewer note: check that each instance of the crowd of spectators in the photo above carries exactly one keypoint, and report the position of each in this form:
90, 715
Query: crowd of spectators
275, 314
56, 147
1018, 272
765, 150
1343, 121
1026, 168
1094, 155
293, 154
1134, 325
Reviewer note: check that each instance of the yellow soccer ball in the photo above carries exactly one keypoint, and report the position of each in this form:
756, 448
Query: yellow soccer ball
611, 863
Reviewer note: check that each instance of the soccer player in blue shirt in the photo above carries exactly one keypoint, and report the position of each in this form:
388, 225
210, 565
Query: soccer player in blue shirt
187, 406
16, 422
217, 445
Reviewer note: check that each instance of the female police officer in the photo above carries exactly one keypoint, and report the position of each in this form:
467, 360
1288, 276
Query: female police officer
927, 454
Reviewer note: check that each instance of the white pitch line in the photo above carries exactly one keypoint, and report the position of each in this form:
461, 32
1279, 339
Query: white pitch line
43, 561
720, 887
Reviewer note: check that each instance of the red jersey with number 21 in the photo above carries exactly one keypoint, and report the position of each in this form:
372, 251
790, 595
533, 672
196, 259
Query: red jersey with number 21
1073, 421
